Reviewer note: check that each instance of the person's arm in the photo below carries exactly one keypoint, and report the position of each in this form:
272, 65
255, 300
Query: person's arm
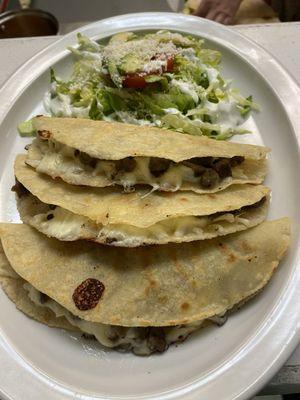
222, 11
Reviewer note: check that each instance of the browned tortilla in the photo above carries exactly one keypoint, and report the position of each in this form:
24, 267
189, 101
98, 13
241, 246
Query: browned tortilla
154, 286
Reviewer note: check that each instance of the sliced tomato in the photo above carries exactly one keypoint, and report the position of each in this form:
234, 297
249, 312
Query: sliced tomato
137, 80
170, 64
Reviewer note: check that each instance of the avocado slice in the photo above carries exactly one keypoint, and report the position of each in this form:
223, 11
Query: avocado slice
130, 64
26, 128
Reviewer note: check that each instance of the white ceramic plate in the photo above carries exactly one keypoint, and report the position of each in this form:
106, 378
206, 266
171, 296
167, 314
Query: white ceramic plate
232, 362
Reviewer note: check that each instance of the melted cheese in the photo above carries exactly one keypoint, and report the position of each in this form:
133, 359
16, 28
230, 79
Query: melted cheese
55, 154
144, 49
130, 338
64, 225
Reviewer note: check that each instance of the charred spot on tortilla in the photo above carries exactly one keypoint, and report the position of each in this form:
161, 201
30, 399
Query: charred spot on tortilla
158, 166
87, 295
231, 257
184, 306
19, 189
44, 134
50, 216
127, 164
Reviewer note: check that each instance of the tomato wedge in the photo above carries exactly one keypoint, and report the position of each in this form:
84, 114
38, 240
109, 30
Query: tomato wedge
137, 80
170, 64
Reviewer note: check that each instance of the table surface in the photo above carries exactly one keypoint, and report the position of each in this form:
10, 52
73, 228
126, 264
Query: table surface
280, 41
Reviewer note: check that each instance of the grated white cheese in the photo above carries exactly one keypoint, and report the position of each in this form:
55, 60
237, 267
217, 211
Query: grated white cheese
155, 66
144, 49
67, 226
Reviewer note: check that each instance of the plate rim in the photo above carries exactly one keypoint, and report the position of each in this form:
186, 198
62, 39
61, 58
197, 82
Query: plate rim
16, 85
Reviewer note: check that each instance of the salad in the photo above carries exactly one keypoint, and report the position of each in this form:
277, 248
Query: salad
162, 79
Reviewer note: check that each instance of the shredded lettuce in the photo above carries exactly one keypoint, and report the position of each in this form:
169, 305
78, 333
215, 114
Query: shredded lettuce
191, 97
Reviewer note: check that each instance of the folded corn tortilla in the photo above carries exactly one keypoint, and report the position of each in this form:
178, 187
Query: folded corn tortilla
100, 153
107, 215
140, 299
13, 286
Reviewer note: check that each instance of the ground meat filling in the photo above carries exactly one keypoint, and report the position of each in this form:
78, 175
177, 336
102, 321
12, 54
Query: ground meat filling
209, 170
19, 189
198, 169
223, 168
209, 178
86, 159
158, 166
140, 340
155, 338
127, 164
